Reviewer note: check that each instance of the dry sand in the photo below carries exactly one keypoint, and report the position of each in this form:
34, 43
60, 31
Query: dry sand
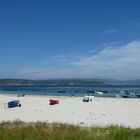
101, 111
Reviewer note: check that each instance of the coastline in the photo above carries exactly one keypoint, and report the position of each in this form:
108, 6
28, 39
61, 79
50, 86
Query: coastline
100, 112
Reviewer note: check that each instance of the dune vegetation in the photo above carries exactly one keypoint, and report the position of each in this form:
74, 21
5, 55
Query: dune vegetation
18, 130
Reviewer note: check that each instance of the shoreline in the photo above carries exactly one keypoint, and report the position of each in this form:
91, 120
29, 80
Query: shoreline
41, 95
71, 110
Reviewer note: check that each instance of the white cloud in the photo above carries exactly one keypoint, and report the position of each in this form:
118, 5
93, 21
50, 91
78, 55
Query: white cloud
119, 62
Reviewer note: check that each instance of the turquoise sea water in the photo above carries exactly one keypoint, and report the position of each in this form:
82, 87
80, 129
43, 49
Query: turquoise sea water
112, 90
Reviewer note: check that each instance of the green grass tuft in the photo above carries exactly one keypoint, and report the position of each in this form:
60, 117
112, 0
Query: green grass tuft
18, 130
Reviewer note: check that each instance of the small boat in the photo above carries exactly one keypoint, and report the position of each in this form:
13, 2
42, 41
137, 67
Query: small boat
128, 94
138, 95
99, 92
53, 102
88, 98
61, 91
14, 103
90, 91
104, 91
20, 95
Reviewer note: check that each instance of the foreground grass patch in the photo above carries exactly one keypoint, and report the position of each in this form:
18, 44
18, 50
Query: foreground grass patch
55, 131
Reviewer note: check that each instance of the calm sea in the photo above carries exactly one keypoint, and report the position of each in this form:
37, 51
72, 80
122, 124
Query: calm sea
66, 91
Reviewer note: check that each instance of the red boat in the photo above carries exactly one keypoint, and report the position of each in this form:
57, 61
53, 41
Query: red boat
53, 102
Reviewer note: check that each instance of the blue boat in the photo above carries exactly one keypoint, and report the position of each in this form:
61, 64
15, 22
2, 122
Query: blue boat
14, 103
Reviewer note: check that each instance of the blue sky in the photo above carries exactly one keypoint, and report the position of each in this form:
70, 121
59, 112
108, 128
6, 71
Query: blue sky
43, 39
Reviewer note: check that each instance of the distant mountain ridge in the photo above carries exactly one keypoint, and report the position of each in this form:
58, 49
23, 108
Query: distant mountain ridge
51, 82
69, 82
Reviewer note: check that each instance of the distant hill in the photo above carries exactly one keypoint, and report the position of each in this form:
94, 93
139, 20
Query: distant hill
121, 82
68, 82
53, 82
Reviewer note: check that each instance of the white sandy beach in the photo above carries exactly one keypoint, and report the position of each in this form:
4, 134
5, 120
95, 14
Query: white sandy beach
101, 111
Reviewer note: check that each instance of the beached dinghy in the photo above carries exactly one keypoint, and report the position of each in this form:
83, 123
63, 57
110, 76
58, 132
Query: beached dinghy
88, 98
53, 102
14, 103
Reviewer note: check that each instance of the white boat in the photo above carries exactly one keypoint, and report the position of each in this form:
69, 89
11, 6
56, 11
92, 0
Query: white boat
99, 92
88, 98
